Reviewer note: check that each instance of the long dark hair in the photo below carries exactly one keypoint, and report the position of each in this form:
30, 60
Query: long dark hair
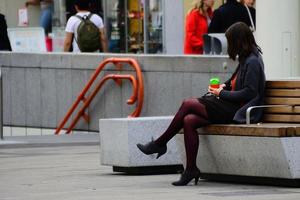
241, 41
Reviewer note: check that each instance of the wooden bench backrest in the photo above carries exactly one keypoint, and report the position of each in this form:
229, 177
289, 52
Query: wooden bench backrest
283, 92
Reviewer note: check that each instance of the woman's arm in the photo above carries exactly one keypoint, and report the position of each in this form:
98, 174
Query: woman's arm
251, 85
68, 41
227, 84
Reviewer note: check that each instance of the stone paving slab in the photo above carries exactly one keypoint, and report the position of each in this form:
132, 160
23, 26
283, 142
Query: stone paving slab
74, 172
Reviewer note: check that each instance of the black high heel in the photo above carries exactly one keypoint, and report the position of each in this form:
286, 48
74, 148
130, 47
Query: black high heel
187, 176
151, 148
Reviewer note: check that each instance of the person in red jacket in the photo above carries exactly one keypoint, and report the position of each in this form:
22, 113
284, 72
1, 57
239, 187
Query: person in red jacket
197, 21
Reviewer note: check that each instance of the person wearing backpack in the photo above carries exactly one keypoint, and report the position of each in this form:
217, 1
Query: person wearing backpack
85, 31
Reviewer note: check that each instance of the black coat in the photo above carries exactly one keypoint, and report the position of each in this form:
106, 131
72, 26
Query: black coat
228, 14
249, 89
4, 41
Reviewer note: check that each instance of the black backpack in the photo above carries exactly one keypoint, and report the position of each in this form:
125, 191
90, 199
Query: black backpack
88, 35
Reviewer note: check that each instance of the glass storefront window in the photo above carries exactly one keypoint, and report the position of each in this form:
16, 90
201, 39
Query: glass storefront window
134, 26
135, 29
115, 25
155, 27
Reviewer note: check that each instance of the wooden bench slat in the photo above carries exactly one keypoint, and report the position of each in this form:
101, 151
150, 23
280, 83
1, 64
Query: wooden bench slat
297, 131
260, 130
282, 101
281, 118
283, 92
286, 110
283, 84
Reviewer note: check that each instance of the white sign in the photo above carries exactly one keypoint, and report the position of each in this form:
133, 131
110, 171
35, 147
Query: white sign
23, 17
27, 39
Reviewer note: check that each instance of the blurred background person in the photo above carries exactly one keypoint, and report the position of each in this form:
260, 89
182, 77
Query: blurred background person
250, 6
227, 14
47, 8
4, 41
197, 21
83, 10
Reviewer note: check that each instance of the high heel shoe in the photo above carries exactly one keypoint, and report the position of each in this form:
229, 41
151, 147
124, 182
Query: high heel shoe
187, 176
151, 148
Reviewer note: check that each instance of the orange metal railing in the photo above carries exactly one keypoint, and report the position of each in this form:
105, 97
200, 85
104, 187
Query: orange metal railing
138, 91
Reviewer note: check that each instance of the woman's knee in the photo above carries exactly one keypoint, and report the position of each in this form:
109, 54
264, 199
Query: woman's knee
189, 102
191, 120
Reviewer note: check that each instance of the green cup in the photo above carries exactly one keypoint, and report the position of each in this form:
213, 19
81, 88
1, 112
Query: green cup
214, 82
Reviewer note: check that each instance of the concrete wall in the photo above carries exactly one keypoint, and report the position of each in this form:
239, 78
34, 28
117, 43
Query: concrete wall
278, 34
39, 88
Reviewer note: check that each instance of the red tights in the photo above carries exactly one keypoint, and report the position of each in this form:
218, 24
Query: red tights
190, 116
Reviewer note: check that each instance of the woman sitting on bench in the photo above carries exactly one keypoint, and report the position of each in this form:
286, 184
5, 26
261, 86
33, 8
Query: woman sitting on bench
223, 105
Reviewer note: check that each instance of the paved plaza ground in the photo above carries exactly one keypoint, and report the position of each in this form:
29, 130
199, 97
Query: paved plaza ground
68, 168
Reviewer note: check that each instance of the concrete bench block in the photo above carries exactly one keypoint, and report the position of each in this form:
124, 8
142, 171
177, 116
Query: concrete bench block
248, 156
119, 136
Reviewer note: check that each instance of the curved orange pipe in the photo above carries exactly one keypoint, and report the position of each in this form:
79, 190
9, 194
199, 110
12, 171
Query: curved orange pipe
116, 62
87, 102
140, 80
